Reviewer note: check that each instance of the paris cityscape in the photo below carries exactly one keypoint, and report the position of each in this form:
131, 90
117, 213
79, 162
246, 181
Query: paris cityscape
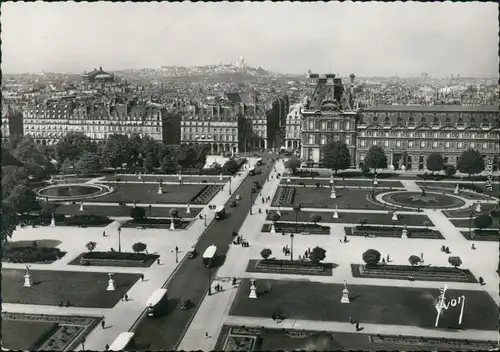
250, 176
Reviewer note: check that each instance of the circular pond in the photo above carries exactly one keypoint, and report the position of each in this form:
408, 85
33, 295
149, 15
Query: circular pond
426, 201
73, 191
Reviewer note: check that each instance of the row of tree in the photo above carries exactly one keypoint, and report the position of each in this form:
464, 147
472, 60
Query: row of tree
336, 156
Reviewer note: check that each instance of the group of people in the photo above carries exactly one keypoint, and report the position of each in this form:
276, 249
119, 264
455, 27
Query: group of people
278, 318
62, 304
445, 249
286, 250
218, 288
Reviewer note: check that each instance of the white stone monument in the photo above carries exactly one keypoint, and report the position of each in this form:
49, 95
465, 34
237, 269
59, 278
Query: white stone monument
188, 209
333, 195
404, 234
273, 228
81, 206
456, 189
160, 188
253, 290
391, 167
27, 278
139, 177
345, 294
403, 168
421, 258
336, 213
172, 226
288, 179
111, 283
53, 221
220, 177
394, 216
478, 207
375, 181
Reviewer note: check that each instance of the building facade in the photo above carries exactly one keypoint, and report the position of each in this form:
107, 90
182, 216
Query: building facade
328, 115
409, 134
213, 125
97, 76
293, 128
50, 121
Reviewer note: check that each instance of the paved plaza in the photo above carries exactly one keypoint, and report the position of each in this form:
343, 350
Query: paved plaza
200, 327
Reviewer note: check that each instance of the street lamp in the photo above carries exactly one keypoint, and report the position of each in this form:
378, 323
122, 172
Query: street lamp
470, 222
297, 208
230, 186
150, 210
291, 246
83, 343
176, 254
209, 281
251, 203
119, 239
205, 218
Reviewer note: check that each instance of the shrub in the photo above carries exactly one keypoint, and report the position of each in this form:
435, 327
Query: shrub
139, 247
174, 213
274, 217
363, 222
293, 164
315, 218
414, 259
91, 219
91, 246
115, 256
450, 170
455, 261
371, 257
318, 184
137, 213
266, 253
32, 254
317, 254
483, 221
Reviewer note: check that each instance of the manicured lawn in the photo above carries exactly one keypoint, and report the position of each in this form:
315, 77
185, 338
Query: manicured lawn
369, 304
396, 232
340, 182
428, 201
253, 268
172, 178
452, 185
39, 243
280, 339
464, 193
466, 222
354, 218
26, 335
83, 289
485, 209
115, 211
122, 264
493, 237
147, 194
346, 199
155, 224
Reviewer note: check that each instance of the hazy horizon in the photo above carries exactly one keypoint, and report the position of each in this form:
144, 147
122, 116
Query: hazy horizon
368, 39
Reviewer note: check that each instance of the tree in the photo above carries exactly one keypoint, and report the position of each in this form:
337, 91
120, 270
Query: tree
274, 217
174, 213
483, 221
414, 259
455, 261
22, 199
363, 222
317, 255
336, 156
266, 253
72, 146
115, 151
470, 162
427, 223
139, 247
66, 167
231, 166
88, 163
33, 158
293, 164
376, 158
9, 222
149, 151
13, 176
371, 257
435, 162
91, 246
137, 213
134, 144
187, 156
315, 218
450, 170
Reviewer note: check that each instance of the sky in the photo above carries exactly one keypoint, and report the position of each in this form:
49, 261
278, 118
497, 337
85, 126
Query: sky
368, 39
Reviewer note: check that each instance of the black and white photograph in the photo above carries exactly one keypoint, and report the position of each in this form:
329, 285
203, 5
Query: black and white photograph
250, 176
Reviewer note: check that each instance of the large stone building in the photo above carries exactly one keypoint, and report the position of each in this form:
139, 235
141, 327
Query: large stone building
328, 115
293, 128
50, 121
409, 134
97, 76
213, 125
12, 122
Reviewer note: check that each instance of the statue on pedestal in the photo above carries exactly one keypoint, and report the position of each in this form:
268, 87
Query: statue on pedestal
53, 220
172, 225
273, 228
27, 278
405, 233
394, 216
478, 207
111, 283
333, 195
456, 189
160, 186
345, 294
253, 290
81, 206
188, 209
336, 213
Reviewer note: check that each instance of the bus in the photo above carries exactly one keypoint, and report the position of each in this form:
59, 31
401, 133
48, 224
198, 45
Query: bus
122, 342
209, 255
154, 303
220, 212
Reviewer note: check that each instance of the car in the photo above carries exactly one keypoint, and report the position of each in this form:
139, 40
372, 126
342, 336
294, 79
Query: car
186, 304
233, 204
192, 253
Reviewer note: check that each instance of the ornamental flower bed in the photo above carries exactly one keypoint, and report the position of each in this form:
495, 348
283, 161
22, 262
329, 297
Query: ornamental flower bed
100, 258
87, 220
300, 228
285, 196
206, 194
32, 254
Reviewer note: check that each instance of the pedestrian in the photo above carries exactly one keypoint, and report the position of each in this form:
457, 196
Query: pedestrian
357, 326
142, 277
104, 234
158, 261
481, 280
305, 254
126, 297
350, 320
388, 258
340, 241
345, 238
234, 281
106, 347
472, 246
284, 249
103, 324
206, 335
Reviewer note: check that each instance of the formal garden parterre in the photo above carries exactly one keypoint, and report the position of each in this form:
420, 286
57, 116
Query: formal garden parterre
353, 218
285, 266
31, 332
369, 304
393, 231
83, 289
302, 228
124, 211
119, 259
340, 182
254, 338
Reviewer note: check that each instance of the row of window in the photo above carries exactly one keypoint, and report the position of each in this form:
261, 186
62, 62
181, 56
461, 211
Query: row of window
327, 125
323, 139
86, 122
222, 138
435, 122
429, 134
428, 144
207, 130
90, 128
85, 116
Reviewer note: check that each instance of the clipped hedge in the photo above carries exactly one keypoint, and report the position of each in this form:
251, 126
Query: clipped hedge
116, 256
32, 254
301, 173
288, 263
87, 219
